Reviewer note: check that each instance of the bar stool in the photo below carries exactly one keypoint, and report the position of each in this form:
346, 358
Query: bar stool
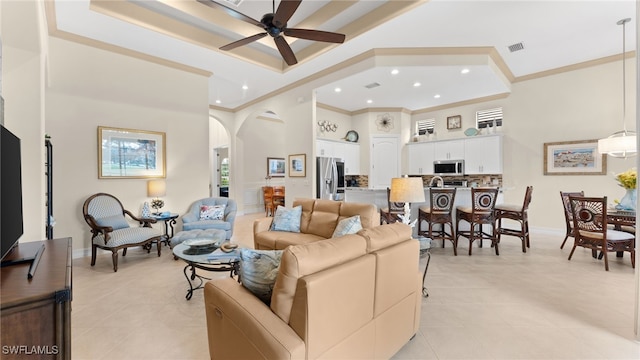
390, 213
440, 212
479, 214
517, 213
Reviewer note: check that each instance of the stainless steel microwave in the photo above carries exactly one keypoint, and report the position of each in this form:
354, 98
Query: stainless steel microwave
448, 167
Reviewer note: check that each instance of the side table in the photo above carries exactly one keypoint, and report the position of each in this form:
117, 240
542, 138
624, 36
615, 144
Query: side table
169, 222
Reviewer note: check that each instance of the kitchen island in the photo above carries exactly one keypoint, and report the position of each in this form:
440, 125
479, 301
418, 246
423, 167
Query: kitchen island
378, 197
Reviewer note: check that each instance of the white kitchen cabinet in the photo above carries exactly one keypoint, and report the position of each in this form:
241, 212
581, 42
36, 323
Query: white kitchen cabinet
483, 155
351, 158
324, 148
420, 158
449, 150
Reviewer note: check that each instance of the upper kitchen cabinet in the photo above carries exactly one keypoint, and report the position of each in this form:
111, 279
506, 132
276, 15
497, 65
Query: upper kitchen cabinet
483, 155
347, 151
420, 158
449, 150
351, 158
324, 148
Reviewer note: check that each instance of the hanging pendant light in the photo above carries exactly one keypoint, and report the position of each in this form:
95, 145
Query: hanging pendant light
621, 144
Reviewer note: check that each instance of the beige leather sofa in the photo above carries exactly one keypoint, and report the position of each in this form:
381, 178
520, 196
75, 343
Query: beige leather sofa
352, 297
319, 220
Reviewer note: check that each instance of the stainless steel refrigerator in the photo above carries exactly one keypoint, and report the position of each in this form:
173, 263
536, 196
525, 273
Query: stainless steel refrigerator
329, 178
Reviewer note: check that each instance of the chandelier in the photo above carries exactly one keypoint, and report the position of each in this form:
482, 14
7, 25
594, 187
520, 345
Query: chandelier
621, 144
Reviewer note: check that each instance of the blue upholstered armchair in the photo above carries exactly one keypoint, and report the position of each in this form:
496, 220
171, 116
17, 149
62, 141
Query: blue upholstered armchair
192, 219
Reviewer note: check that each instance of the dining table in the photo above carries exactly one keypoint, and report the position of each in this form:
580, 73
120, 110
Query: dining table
622, 220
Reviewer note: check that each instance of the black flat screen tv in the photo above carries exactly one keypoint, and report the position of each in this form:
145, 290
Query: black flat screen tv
11, 222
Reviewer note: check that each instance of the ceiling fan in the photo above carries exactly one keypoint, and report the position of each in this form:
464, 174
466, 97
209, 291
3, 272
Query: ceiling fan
275, 24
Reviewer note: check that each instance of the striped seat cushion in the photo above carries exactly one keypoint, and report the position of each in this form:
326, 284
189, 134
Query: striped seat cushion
127, 236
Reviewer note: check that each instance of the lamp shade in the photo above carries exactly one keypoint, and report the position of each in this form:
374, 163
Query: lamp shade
407, 190
621, 144
156, 188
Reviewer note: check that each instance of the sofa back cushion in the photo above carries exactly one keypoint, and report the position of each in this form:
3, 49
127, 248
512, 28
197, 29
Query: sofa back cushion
383, 236
369, 215
302, 260
320, 217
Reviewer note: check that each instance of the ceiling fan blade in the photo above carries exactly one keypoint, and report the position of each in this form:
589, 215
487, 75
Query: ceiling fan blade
316, 35
244, 41
285, 12
285, 50
231, 12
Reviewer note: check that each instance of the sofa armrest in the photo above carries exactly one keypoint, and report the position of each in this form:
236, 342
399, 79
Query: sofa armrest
240, 326
261, 225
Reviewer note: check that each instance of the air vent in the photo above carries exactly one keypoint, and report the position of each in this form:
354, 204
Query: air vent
372, 85
516, 47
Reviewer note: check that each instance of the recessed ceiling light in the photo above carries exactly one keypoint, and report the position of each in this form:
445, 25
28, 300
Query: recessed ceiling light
465, 71
337, 89
369, 101
437, 96
244, 87
395, 72
218, 101
416, 84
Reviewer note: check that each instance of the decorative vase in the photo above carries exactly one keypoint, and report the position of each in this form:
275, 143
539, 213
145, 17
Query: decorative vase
146, 211
628, 201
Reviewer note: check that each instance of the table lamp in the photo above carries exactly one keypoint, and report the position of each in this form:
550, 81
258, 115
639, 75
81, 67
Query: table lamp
156, 189
407, 190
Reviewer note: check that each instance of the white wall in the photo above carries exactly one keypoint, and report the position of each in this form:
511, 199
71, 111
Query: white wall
90, 88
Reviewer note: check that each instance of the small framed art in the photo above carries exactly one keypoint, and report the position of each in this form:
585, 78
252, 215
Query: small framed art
276, 167
454, 122
298, 165
574, 158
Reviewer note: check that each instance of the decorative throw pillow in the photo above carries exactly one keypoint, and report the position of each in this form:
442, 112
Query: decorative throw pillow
347, 226
258, 271
287, 219
212, 212
115, 221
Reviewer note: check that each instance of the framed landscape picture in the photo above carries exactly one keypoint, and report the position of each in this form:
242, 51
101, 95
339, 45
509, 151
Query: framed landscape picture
574, 158
275, 167
130, 154
298, 165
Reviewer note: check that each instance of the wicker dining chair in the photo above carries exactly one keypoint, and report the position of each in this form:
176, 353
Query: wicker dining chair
480, 213
590, 229
439, 212
391, 212
517, 213
568, 217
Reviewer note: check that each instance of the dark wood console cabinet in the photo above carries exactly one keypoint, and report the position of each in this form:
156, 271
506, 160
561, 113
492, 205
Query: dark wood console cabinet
36, 314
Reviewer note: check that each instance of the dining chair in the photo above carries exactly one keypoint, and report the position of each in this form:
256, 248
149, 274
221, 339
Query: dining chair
517, 213
267, 196
391, 212
278, 196
568, 217
480, 213
590, 229
439, 212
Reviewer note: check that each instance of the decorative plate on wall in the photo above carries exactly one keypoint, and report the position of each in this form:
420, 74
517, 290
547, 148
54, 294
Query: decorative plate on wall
352, 136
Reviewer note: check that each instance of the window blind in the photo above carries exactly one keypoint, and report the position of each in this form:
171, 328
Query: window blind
486, 118
426, 126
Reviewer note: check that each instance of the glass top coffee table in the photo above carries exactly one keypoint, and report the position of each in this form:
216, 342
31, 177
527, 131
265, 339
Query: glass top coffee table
205, 259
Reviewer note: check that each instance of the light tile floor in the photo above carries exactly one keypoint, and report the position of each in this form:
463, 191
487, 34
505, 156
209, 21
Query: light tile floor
536, 305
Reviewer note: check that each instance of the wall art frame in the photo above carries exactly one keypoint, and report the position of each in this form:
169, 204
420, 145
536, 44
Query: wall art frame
131, 154
298, 165
574, 158
454, 122
276, 167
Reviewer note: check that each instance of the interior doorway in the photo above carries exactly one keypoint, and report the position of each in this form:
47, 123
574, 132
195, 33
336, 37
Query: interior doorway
222, 172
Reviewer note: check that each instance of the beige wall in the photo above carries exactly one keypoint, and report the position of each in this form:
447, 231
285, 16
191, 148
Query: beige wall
89, 88
23, 83
577, 105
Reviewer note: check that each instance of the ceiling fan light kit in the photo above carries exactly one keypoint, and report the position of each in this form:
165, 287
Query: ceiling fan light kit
275, 25
621, 144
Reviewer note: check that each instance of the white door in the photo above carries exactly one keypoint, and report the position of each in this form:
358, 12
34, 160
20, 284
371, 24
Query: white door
385, 161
